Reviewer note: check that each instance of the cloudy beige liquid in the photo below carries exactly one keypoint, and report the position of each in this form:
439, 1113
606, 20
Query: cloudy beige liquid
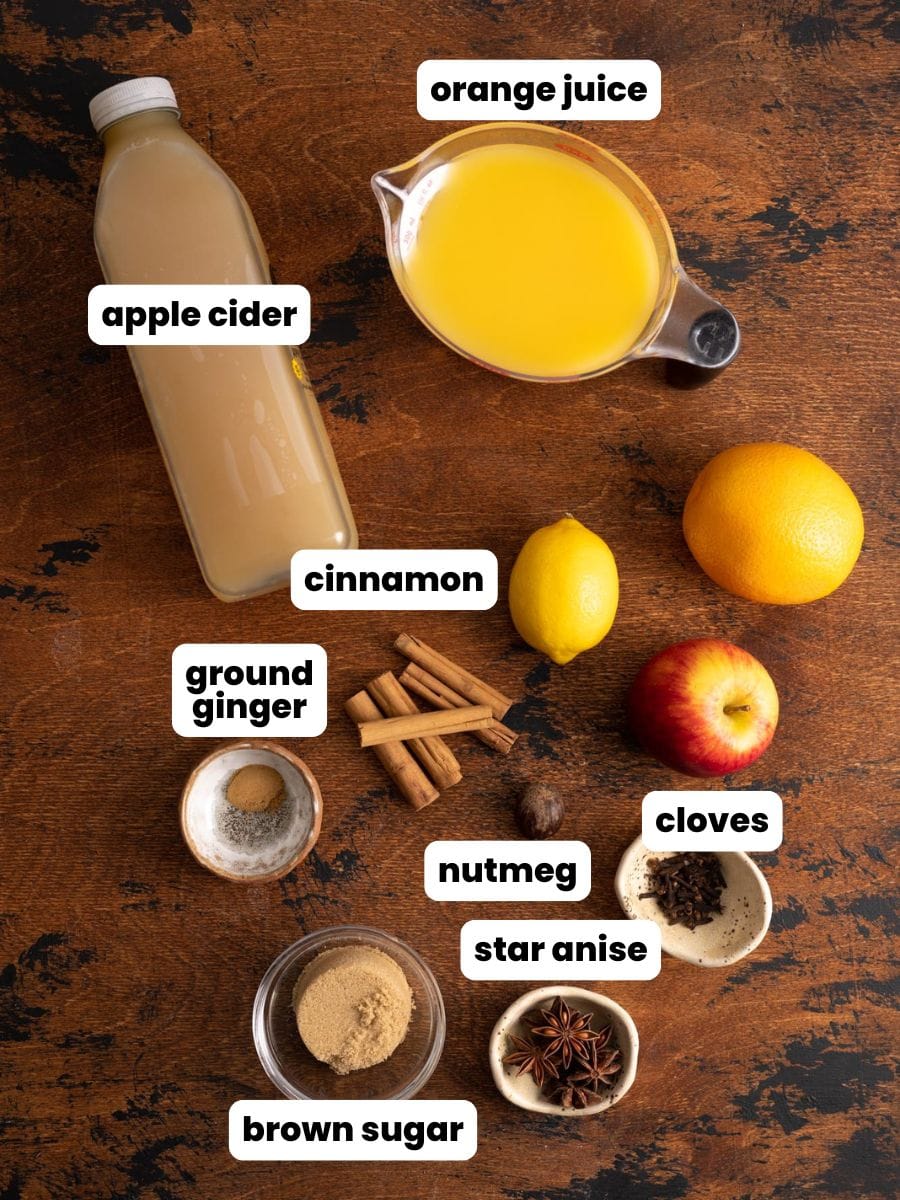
238, 427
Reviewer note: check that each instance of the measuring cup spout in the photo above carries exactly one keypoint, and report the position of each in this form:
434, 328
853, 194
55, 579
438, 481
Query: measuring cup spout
390, 191
697, 329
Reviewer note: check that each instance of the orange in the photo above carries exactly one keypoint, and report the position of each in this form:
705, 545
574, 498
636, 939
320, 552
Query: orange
773, 523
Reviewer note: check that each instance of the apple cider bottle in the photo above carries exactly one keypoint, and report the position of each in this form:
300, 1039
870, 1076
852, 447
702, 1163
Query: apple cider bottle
239, 428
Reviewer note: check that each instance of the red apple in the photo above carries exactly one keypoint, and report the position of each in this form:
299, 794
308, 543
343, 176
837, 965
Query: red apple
704, 707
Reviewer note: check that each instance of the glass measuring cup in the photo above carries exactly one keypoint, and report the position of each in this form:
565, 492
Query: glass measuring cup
685, 323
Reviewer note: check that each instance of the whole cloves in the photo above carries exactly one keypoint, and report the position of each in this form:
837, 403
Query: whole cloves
687, 887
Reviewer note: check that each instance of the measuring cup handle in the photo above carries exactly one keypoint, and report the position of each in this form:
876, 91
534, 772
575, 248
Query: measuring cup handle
697, 330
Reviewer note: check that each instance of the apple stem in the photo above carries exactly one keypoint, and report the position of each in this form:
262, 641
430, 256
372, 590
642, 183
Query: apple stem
735, 708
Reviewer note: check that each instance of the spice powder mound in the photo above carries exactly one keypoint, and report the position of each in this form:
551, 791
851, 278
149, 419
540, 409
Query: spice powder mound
255, 788
353, 1006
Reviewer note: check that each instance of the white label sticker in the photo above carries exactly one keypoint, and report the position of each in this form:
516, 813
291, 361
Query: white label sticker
538, 89
393, 580
559, 950
749, 821
249, 690
507, 870
361, 1130
199, 314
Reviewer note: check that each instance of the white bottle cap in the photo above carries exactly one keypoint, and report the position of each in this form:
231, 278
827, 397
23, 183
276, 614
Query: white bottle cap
134, 95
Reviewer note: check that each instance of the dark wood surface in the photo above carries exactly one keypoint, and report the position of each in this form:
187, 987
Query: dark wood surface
127, 973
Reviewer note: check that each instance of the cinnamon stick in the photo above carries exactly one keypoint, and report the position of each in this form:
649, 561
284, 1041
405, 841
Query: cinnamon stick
401, 729
406, 774
432, 752
470, 687
427, 686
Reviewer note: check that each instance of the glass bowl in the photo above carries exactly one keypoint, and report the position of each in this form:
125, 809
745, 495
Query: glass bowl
290, 1065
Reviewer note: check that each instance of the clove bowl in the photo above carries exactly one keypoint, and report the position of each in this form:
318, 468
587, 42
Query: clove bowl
521, 1090
729, 936
293, 835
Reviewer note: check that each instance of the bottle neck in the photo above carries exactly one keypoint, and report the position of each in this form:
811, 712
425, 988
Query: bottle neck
141, 126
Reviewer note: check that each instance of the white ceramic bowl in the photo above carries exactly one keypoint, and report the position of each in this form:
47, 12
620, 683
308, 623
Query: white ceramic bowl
521, 1089
741, 926
203, 801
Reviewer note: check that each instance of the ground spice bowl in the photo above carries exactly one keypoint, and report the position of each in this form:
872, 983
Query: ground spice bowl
521, 1090
203, 794
291, 1067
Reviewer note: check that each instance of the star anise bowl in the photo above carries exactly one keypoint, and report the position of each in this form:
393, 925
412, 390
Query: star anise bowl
521, 1088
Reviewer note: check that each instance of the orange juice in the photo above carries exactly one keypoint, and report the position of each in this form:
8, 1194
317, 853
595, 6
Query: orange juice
529, 260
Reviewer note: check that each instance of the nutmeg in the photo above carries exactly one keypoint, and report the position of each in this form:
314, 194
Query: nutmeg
540, 811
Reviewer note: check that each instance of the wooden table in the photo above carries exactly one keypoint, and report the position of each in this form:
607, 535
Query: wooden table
130, 972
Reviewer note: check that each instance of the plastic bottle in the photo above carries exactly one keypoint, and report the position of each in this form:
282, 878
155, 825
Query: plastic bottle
238, 427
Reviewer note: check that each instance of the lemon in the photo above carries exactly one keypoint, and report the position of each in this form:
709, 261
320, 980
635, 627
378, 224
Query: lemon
564, 590
773, 523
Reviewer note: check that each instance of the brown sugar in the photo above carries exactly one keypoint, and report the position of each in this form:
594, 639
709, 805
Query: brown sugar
353, 1006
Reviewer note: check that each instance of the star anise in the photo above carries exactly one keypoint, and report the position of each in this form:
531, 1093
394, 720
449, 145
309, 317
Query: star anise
532, 1059
571, 1064
603, 1038
567, 1033
599, 1068
573, 1095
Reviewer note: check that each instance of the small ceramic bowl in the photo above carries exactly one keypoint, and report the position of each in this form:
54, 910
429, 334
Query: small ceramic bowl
742, 925
291, 1067
278, 843
521, 1089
